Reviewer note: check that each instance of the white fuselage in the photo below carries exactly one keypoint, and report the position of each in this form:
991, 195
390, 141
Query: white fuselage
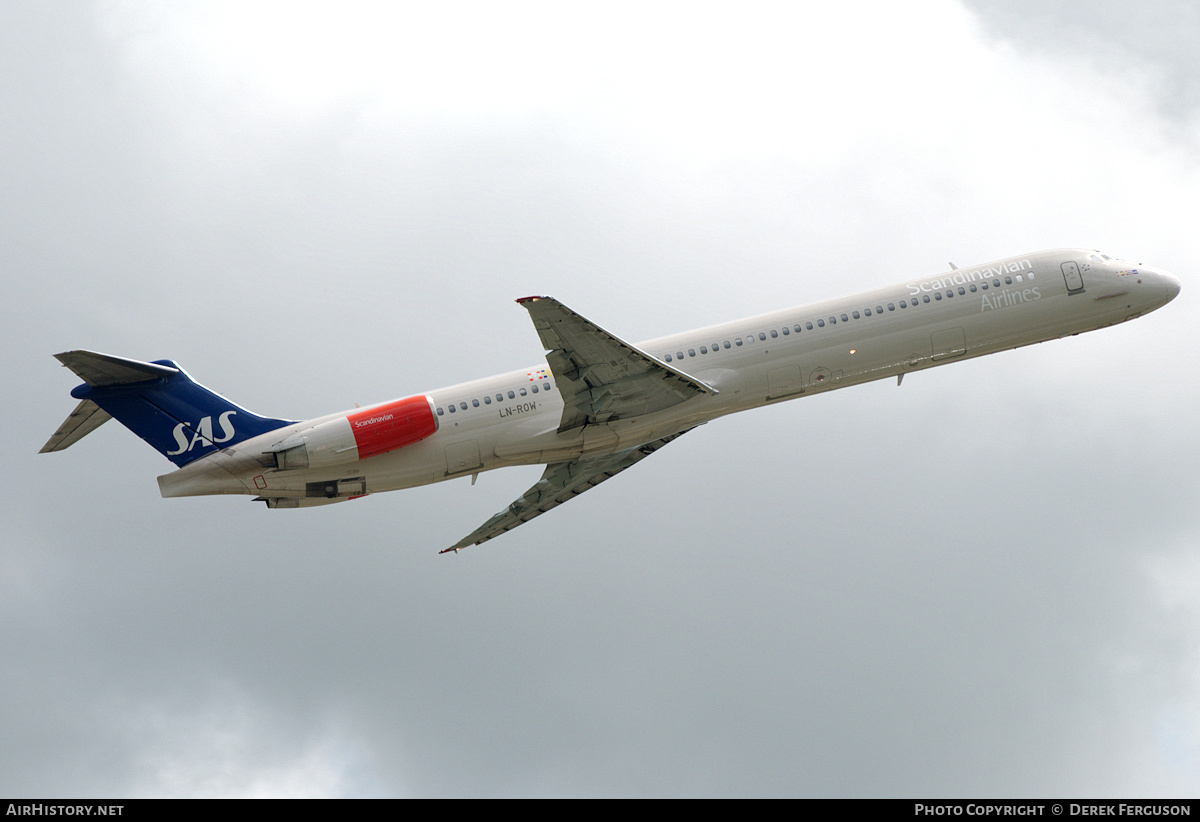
920, 323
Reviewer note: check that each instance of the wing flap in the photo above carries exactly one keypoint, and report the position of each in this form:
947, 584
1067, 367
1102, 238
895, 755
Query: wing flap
561, 482
600, 376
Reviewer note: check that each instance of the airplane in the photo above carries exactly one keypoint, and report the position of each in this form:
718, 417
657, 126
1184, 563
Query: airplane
597, 404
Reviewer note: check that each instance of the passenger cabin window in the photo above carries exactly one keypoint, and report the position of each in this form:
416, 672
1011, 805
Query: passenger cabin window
511, 395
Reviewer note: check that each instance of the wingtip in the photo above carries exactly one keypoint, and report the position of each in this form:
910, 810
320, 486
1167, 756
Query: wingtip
534, 298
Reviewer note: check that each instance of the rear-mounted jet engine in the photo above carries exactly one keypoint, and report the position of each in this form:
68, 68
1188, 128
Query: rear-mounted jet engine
359, 435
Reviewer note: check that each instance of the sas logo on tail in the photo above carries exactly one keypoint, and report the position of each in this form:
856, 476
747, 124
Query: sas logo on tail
203, 433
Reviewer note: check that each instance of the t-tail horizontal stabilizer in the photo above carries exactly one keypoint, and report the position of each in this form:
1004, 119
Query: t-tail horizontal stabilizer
85, 419
97, 370
159, 402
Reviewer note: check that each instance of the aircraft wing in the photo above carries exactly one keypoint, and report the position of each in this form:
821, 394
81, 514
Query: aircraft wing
562, 481
601, 377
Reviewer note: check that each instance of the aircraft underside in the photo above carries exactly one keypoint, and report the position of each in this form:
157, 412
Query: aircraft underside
600, 404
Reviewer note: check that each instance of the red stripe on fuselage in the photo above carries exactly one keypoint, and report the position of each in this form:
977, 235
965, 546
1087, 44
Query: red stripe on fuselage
392, 426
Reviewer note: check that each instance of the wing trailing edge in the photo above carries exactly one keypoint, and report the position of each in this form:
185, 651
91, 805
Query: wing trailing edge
561, 482
601, 377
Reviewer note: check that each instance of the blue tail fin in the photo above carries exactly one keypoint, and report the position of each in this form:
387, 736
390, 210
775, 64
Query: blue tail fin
160, 403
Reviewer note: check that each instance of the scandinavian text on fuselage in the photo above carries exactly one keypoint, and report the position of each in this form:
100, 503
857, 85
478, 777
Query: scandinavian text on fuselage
970, 275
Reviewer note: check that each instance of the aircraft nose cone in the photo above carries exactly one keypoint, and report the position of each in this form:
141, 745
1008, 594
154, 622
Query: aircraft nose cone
1166, 286
1171, 282
1165, 283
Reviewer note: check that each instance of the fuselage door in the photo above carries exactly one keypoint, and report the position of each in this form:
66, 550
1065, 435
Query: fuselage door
462, 456
1070, 270
784, 381
947, 343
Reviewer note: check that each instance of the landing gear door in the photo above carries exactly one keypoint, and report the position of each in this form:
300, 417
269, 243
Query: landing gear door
1074, 279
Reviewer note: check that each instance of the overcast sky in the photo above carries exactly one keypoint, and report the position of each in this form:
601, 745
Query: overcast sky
984, 582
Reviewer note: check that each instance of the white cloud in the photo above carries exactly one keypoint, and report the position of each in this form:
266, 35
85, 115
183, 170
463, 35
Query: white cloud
231, 745
936, 586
